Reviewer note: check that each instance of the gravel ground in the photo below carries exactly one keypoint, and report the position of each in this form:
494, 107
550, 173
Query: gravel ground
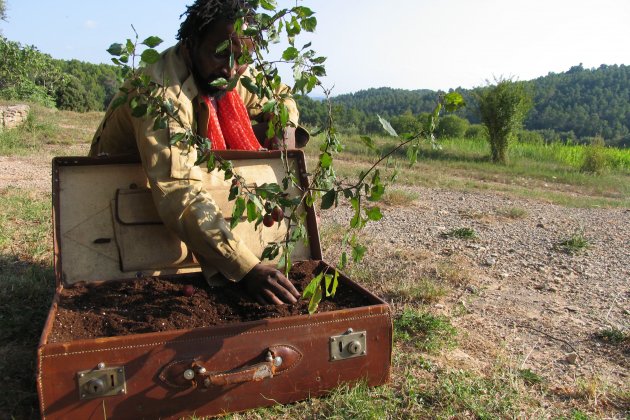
519, 290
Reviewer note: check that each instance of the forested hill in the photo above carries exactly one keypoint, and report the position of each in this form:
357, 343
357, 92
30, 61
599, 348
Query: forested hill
579, 103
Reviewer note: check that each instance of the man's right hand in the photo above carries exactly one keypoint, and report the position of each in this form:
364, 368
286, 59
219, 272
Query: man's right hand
269, 286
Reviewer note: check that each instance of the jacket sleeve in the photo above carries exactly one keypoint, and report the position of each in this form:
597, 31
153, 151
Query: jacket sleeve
183, 204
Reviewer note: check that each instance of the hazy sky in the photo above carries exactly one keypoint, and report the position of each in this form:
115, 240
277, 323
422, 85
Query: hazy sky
410, 44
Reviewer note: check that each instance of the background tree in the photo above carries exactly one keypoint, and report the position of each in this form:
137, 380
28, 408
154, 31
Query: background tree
3, 10
502, 109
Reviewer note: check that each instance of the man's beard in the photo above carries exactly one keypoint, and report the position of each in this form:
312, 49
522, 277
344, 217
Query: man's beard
203, 84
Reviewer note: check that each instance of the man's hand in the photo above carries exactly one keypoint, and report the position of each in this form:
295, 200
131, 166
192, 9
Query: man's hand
268, 286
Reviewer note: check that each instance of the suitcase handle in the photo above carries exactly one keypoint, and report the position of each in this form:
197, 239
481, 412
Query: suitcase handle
191, 373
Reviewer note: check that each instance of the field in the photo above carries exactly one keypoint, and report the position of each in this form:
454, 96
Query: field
509, 283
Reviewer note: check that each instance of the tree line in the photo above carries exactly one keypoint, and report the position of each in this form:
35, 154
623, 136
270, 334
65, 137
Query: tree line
28, 74
573, 106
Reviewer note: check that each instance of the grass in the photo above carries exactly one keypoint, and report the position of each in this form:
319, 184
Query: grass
613, 336
26, 289
545, 172
512, 212
425, 331
461, 233
575, 244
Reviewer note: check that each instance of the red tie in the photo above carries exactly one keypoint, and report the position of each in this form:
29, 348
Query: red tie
229, 126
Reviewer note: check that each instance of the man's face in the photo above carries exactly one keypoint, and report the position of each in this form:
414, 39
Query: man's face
208, 64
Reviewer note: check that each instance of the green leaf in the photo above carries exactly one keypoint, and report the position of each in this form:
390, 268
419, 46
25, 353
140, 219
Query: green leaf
291, 53
335, 283
237, 213
249, 85
220, 82
453, 101
152, 41
376, 192
139, 110
387, 126
343, 260
176, 138
309, 24
315, 299
160, 124
327, 282
268, 107
268, 4
358, 251
222, 46
312, 286
325, 160
368, 142
284, 115
328, 199
252, 211
270, 252
374, 214
115, 49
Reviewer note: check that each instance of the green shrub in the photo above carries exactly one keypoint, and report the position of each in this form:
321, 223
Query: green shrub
530, 137
595, 159
452, 127
476, 131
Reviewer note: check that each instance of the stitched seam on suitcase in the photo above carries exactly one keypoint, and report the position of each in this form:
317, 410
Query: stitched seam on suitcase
388, 315
42, 404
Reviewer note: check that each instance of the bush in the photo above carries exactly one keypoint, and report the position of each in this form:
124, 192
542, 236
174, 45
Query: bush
530, 137
72, 96
476, 131
452, 127
502, 109
595, 159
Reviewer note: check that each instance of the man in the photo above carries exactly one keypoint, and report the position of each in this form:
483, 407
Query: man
184, 73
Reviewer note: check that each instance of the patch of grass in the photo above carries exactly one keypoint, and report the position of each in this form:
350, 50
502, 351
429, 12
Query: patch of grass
423, 290
613, 336
396, 197
453, 271
575, 244
530, 377
26, 290
512, 212
425, 331
461, 233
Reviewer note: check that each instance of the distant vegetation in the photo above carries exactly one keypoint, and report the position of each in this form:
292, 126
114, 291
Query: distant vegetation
28, 74
575, 106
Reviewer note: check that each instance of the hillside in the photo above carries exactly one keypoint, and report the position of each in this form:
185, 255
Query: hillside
579, 103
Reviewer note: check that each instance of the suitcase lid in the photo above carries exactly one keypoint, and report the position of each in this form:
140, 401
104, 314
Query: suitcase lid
106, 227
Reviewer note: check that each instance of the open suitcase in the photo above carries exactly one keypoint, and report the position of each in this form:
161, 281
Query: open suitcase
201, 371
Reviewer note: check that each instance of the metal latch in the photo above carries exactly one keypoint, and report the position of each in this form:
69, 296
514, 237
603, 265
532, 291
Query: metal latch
101, 382
348, 345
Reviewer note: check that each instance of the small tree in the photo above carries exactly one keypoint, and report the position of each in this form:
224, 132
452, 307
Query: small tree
502, 109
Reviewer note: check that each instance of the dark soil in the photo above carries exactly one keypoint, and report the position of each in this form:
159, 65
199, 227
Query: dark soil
153, 304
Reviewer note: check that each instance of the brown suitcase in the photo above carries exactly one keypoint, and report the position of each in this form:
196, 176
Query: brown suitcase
201, 371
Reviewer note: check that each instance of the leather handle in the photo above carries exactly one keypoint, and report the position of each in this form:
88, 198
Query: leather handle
192, 373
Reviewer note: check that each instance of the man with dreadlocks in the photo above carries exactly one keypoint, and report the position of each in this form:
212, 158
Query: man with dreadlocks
184, 73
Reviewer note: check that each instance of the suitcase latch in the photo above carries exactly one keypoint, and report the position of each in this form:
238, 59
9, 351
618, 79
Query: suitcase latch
348, 345
101, 382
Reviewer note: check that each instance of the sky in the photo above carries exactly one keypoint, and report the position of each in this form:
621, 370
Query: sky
408, 44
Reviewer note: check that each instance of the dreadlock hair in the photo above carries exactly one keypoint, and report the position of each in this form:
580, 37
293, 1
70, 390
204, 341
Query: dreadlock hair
203, 13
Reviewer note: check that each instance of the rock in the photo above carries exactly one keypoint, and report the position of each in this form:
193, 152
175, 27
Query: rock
438, 306
572, 308
13, 116
571, 358
471, 289
490, 261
